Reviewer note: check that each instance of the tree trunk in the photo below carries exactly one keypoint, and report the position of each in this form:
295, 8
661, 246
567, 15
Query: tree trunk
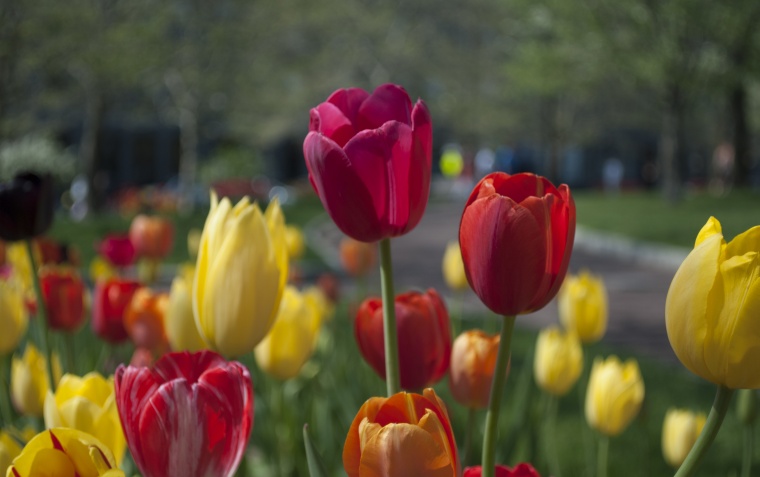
88, 147
187, 107
741, 136
672, 145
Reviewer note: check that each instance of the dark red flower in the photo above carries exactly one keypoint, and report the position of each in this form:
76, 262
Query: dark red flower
190, 414
118, 249
369, 158
521, 470
63, 292
516, 236
424, 337
110, 302
26, 206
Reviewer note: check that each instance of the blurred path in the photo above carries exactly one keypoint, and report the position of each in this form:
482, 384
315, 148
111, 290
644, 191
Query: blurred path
637, 275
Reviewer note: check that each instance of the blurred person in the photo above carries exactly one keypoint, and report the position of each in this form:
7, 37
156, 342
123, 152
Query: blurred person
722, 169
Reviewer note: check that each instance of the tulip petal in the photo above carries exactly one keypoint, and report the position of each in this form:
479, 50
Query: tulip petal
52, 462
328, 120
389, 102
403, 450
352, 447
133, 389
189, 366
348, 100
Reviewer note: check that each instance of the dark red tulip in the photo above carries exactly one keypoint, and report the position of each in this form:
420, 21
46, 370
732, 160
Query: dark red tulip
63, 291
369, 158
118, 249
516, 237
521, 470
424, 337
111, 299
190, 414
26, 206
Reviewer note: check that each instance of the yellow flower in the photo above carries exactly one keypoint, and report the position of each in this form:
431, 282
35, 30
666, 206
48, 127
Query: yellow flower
179, 322
614, 395
295, 242
712, 308
319, 302
679, 433
9, 450
193, 242
558, 362
19, 260
291, 341
87, 404
453, 267
240, 275
101, 269
582, 303
13, 315
64, 453
29, 383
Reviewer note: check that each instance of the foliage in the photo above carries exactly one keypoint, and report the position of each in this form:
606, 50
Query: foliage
37, 154
229, 163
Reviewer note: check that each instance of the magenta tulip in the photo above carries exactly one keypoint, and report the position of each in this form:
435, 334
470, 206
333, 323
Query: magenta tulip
118, 249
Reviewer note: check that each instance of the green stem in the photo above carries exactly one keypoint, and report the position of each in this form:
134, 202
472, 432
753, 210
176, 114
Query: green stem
749, 435
390, 333
551, 431
68, 343
602, 456
467, 452
712, 425
5, 393
494, 403
41, 317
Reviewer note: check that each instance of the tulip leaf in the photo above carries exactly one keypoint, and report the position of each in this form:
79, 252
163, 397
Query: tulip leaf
316, 464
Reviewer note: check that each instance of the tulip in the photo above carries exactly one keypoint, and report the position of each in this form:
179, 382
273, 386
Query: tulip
26, 206
101, 269
64, 295
112, 298
405, 435
473, 361
679, 433
13, 314
152, 237
520, 470
65, 453
424, 337
193, 242
144, 319
357, 258
87, 404
180, 324
294, 241
290, 342
29, 384
369, 159
516, 236
582, 302
453, 268
558, 362
712, 307
22, 267
9, 450
614, 395
118, 249
3, 258
240, 275
318, 301
191, 414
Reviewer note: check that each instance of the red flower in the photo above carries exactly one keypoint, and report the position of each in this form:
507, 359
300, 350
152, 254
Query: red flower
424, 337
63, 292
118, 249
369, 159
191, 414
521, 470
516, 236
110, 302
152, 237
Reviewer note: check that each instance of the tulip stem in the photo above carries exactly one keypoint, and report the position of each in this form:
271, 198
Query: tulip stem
468, 436
5, 389
709, 431
41, 316
390, 334
550, 441
749, 434
494, 403
602, 456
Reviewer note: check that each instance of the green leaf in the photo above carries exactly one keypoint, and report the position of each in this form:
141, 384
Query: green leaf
316, 465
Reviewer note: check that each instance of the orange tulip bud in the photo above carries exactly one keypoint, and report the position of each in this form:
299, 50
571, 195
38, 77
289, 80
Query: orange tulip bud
473, 360
153, 237
144, 320
357, 257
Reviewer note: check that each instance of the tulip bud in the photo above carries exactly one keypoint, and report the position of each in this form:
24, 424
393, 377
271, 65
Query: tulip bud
614, 395
473, 361
679, 433
9, 450
582, 303
453, 268
13, 314
144, 320
64, 295
558, 362
357, 257
520, 470
180, 323
112, 297
295, 242
152, 237
118, 250
193, 242
26, 206
29, 384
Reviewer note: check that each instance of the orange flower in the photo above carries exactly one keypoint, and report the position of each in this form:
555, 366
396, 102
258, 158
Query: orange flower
153, 237
405, 435
357, 257
144, 320
473, 359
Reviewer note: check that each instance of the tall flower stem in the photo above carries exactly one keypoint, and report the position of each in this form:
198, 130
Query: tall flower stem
749, 437
494, 402
5, 392
550, 440
41, 316
390, 334
712, 425
466, 453
602, 456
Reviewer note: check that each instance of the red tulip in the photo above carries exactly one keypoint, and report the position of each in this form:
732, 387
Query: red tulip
369, 159
521, 470
189, 415
424, 337
63, 292
153, 237
516, 236
110, 303
118, 249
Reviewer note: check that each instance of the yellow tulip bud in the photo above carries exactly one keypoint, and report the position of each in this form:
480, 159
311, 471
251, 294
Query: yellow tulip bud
453, 267
240, 274
101, 270
712, 307
582, 303
9, 450
319, 302
193, 242
19, 259
679, 433
614, 395
291, 341
179, 322
13, 315
87, 404
558, 362
295, 242
29, 383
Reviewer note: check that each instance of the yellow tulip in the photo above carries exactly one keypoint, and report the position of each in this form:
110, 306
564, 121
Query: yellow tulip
614, 395
295, 242
101, 270
558, 362
179, 322
193, 242
582, 303
240, 274
19, 260
291, 341
13, 315
712, 308
9, 450
29, 383
319, 302
87, 404
453, 267
64, 453
679, 433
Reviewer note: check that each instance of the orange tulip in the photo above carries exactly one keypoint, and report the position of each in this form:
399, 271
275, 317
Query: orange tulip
357, 258
405, 435
144, 320
473, 360
153, 237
